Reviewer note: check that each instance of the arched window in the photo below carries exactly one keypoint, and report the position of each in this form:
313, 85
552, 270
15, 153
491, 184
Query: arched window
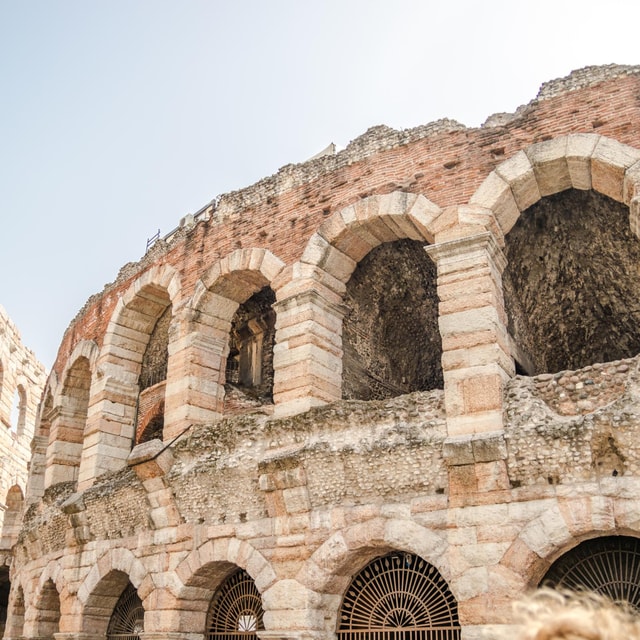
399, 596
235, 610
609, 566
127, 619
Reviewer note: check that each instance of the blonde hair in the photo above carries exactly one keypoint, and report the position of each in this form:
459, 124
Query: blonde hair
555, 615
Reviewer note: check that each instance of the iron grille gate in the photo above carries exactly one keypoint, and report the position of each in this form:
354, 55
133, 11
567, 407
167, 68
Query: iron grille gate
399, 596
236, 611
127, 619
609, 566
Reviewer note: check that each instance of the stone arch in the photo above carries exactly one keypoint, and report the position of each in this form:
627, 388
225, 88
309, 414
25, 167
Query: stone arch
103, 586
43, 614
46, 622
45, 416
350, 234
14, 503
116, 389
331, 567
202, 572
577, 161
569, 292
561, 527
67, 427
218, 294
313, 301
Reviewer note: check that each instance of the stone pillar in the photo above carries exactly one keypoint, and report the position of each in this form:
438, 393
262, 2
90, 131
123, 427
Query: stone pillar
307, 357
110, 428
37, 465
78, 635
476, 362
65, 448
151, 461
195, 378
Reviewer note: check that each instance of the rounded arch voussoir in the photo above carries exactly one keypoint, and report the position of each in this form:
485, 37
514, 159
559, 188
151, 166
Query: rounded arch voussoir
350, 234
331, 566
577, 161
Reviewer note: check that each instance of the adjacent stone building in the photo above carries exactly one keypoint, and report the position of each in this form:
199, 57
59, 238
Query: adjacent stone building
379, 394
22, 380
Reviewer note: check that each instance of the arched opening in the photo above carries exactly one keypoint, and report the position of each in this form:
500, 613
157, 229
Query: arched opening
48, 611
609, 566
571, 284
15, 618
68, 425
390, 335
398, 596
151, 425
110, 605
152, 380
12, 517
5, 587
235, 610
127, 619
249, 367
19, 410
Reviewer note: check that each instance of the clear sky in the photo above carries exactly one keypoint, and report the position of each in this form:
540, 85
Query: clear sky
118, 117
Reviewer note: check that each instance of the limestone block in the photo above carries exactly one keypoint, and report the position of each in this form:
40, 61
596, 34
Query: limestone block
405, 534
469, 321
492, 476
293, 405
631, 183
482, 393
462, 480
549, 161
483, 554
289, 594
333, 228
475, 423
488, 447
424, 213
495, 194
496, 514
294, 620
609, 162
471, 584
150, 459
547, 533
519, 174
602, 514
458, 451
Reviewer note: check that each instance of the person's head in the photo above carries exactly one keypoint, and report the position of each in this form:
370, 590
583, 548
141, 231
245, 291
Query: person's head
553, 615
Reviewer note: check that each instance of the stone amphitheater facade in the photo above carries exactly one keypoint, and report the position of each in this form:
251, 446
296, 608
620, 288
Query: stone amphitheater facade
22, 380
417, 356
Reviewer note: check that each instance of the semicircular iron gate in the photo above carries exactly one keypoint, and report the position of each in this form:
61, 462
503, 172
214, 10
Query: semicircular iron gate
235, 610
609, 566
399, 596
127, 619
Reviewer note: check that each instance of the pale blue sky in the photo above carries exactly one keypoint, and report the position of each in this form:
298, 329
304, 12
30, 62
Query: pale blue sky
118, 117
